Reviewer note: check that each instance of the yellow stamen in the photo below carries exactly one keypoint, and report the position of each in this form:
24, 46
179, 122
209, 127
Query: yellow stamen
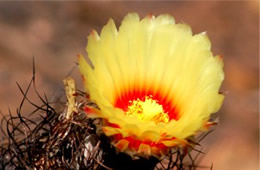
147, 110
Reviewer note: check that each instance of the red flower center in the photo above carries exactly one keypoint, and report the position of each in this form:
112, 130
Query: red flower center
125, 100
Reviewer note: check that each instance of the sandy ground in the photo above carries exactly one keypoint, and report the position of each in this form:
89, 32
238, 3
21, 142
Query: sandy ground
55, 32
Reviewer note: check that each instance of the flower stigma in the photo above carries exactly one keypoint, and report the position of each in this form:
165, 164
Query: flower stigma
147, 110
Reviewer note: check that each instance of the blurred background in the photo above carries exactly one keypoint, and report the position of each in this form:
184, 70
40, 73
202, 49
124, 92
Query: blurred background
55, 32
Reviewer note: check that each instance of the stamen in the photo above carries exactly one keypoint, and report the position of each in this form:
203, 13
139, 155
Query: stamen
147, 110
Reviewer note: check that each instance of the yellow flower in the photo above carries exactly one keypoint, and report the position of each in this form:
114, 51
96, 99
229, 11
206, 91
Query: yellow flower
154, 82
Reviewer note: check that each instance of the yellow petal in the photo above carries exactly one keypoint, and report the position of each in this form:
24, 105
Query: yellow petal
144, 149
122, 145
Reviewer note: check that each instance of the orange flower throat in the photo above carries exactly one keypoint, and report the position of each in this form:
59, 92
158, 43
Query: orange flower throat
147, 106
